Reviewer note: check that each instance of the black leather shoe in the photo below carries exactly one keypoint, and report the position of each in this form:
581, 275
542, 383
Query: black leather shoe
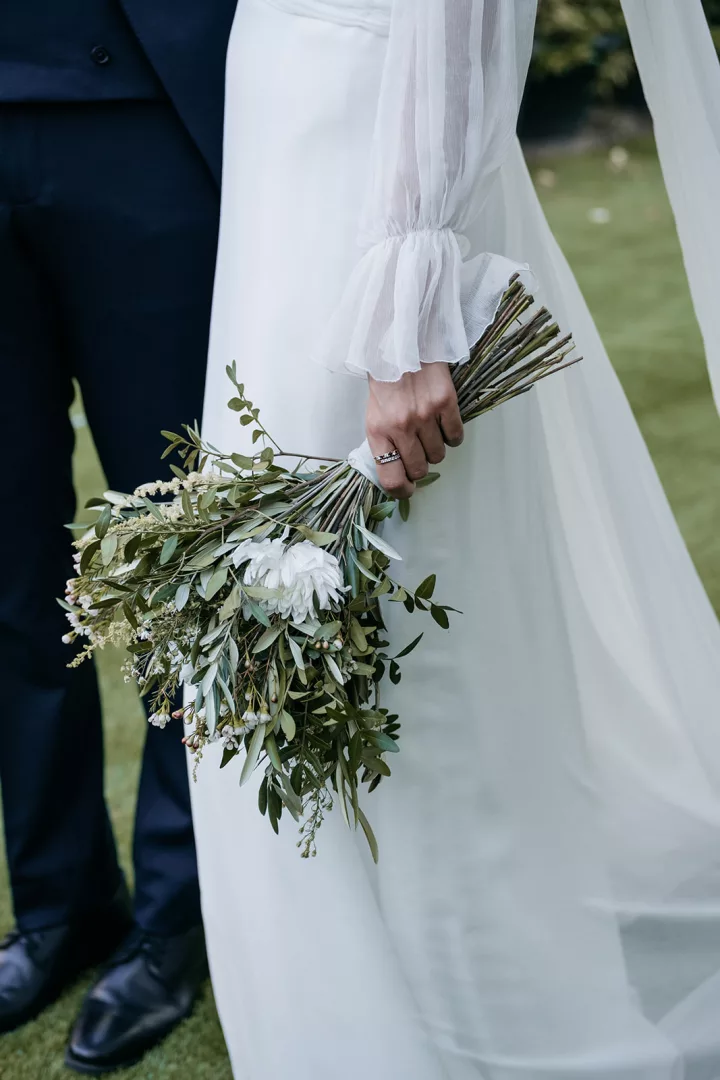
35, 967
149, 986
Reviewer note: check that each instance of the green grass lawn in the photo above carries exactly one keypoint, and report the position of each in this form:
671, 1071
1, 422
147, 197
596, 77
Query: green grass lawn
631, 271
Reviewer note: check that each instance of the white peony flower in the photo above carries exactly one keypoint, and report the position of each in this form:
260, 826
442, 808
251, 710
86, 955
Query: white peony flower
299, 571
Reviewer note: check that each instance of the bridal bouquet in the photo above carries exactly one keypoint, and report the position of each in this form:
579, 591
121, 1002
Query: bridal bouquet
256, 587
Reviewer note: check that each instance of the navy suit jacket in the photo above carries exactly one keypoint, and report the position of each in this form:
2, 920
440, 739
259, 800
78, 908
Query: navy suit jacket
186, 43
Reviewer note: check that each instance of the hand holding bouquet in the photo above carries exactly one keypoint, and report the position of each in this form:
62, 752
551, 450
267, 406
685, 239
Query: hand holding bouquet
257, 585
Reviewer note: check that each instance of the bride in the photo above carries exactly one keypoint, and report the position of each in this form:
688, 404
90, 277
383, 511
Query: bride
547, 901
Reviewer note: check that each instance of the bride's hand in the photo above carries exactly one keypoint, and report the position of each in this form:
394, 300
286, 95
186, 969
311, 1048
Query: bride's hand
417, 416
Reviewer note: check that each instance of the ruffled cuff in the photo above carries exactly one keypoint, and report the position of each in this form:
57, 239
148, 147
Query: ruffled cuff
412, 300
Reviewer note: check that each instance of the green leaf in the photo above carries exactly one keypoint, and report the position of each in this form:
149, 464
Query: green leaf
227, 693
426, 588
376, 764
216, 582
358, 635
296, 652
259, 592
363, 669
253, 753
440, 616
242, 461
378, 543
266, 640
404, 506
168, 549
320, 539
209, 679
182, 595
245, 420
211, 711
383, 742
291, 799
231, 605
274, 808
257, 612
382, 511
187, 506
103, 523
428, 480
108, 548
130, 615
272, 750
288, 725
340, 782
236, 404
409, 648
263, 797
152, 509
363, 569
395, 674
333, 669
227, 757
88, 554
369, 835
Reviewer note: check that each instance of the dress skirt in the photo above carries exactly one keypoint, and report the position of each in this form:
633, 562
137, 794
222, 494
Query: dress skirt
547, 901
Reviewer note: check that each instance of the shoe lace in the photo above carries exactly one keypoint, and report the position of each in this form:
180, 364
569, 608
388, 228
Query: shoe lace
31, 939
140, 942
11, 938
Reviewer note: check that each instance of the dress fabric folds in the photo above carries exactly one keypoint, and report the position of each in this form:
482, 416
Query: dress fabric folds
547, 901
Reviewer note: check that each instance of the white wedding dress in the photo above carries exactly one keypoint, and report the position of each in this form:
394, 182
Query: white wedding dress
547, 901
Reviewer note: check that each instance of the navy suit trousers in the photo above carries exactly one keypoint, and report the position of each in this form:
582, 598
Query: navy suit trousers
108, 232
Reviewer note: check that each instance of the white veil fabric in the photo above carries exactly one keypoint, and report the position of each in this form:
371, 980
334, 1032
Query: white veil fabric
680, 73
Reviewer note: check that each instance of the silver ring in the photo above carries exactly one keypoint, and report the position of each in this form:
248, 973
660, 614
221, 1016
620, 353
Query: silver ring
389, 458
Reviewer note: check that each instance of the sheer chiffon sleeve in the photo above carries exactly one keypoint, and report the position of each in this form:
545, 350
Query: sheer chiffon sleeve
447, 114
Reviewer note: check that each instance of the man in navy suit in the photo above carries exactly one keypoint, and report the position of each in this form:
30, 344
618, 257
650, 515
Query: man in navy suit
110, 155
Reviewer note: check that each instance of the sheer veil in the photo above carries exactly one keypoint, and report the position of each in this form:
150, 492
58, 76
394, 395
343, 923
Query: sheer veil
680, 72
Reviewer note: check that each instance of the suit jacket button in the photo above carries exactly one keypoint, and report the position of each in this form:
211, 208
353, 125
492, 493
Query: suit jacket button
100, 55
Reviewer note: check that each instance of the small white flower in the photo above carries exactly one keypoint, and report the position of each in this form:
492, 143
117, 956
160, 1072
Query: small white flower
159, 719
250, 719
231, 737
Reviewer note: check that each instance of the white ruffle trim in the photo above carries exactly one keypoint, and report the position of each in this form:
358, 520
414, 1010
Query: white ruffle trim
412, 300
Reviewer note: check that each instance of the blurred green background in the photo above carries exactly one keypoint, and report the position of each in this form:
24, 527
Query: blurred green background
591, 36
